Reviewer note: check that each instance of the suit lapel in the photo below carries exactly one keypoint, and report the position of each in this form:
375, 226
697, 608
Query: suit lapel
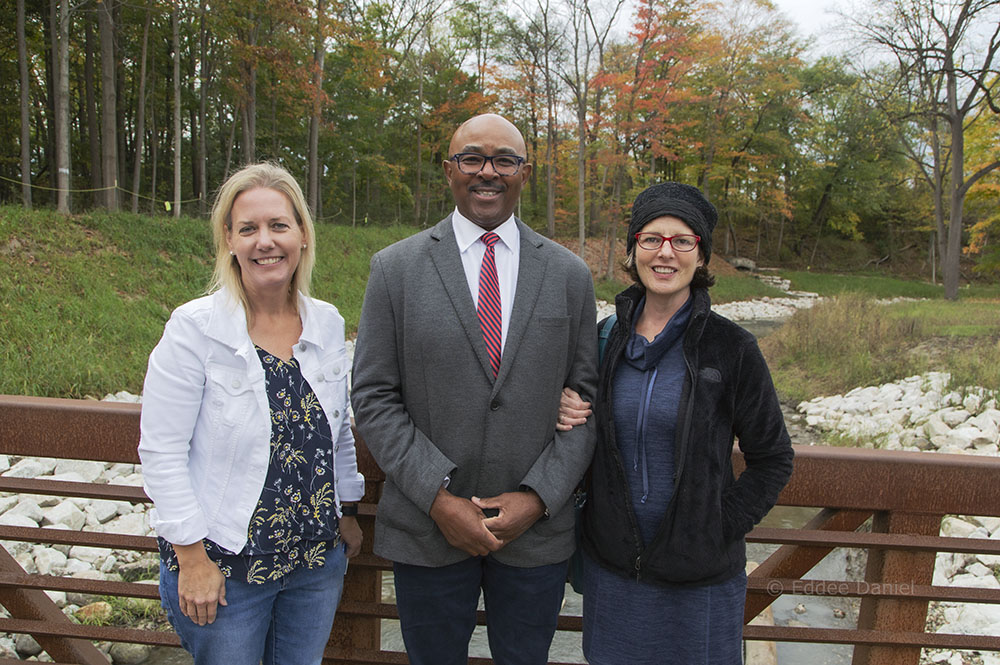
448, 263
530, 277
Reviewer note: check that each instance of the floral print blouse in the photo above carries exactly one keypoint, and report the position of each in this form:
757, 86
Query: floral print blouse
295, 521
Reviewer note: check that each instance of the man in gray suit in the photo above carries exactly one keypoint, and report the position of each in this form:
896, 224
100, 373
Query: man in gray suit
468, 333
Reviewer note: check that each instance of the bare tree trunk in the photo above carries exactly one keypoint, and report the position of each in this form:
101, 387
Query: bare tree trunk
175, 20
319, 55
229, 147
581, 176
550, 169
613, 222
60, 65
202, 155
420, 143
93, 134
22, 64
153, 152
109, 113
140, 116
250, 103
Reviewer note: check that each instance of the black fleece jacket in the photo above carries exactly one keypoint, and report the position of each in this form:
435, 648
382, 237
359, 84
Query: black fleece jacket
727, 393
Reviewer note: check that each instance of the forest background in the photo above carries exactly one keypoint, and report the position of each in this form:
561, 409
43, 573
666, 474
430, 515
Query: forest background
885, 155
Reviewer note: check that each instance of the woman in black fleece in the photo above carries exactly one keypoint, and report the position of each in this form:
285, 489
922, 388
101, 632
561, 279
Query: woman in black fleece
665, 519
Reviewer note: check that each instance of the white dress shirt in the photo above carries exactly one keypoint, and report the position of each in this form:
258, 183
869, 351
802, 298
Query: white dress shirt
507, 253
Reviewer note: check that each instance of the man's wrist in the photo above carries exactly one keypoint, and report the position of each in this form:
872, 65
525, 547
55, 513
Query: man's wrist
348, 510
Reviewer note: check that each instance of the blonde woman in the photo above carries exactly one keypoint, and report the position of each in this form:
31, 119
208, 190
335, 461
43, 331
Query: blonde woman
246, 442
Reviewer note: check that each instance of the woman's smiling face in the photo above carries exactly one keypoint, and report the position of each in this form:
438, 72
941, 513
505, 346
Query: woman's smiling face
266, 240
665, 272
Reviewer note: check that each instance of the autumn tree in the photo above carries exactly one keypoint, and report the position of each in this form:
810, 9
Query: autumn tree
945, 64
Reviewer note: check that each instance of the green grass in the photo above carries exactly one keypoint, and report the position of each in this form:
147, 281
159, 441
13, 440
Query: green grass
853, 341
83, 299
880, 286
728, 288
732, 288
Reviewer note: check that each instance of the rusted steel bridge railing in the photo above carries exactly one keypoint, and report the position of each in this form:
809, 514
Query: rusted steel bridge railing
903, 495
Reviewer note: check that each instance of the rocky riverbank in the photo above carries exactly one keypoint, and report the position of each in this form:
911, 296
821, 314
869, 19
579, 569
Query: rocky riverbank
77, 561
922, 413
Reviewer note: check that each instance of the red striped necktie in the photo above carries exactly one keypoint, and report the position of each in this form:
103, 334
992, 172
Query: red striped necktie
490, 316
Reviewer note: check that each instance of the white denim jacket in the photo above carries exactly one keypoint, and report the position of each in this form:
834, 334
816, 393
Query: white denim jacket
206, 424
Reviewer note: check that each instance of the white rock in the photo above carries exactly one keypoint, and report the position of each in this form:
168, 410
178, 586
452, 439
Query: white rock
7, 648
978, 569
122, 396
951, 398
954, 527
8, 502
134, 479
47, 559
134, 524
935, 427
991, 524
972, 402
101, 510
26, 561
86, 469
954, 417
31, 467
46, 501
976, 582
4, 463
17, 520
58, 597
89, 554
29, 508
68, 477
973, 619
116, 470
991, 560
991, 413
66, 513
14, 547
74, 566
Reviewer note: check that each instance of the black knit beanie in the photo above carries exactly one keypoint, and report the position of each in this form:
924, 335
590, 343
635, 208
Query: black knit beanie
676, 199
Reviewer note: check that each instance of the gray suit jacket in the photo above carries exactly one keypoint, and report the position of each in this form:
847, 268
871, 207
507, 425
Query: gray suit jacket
427, 404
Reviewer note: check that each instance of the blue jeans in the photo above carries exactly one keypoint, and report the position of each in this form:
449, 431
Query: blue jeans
437, 610
281, 622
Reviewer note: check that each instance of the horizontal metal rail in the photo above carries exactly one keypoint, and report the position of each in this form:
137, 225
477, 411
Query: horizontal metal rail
903, 495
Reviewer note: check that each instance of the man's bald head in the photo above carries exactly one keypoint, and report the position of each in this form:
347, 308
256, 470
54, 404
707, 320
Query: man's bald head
486, 198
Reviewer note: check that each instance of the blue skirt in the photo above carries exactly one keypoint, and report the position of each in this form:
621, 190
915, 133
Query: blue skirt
635, 623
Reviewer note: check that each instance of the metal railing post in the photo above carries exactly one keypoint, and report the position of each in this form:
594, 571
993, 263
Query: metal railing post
893, 567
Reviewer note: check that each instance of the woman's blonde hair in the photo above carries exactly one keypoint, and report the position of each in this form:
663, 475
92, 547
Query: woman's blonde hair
227, 274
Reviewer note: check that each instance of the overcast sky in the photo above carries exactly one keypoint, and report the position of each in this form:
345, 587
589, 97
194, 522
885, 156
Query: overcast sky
815, 19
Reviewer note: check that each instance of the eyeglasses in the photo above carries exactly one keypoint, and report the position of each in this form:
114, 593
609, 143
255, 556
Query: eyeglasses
471, 163
681, 243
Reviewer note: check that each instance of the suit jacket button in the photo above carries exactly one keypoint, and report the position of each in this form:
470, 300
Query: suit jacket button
494, 405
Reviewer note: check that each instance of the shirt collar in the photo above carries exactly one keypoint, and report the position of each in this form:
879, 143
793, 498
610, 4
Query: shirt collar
467, 232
